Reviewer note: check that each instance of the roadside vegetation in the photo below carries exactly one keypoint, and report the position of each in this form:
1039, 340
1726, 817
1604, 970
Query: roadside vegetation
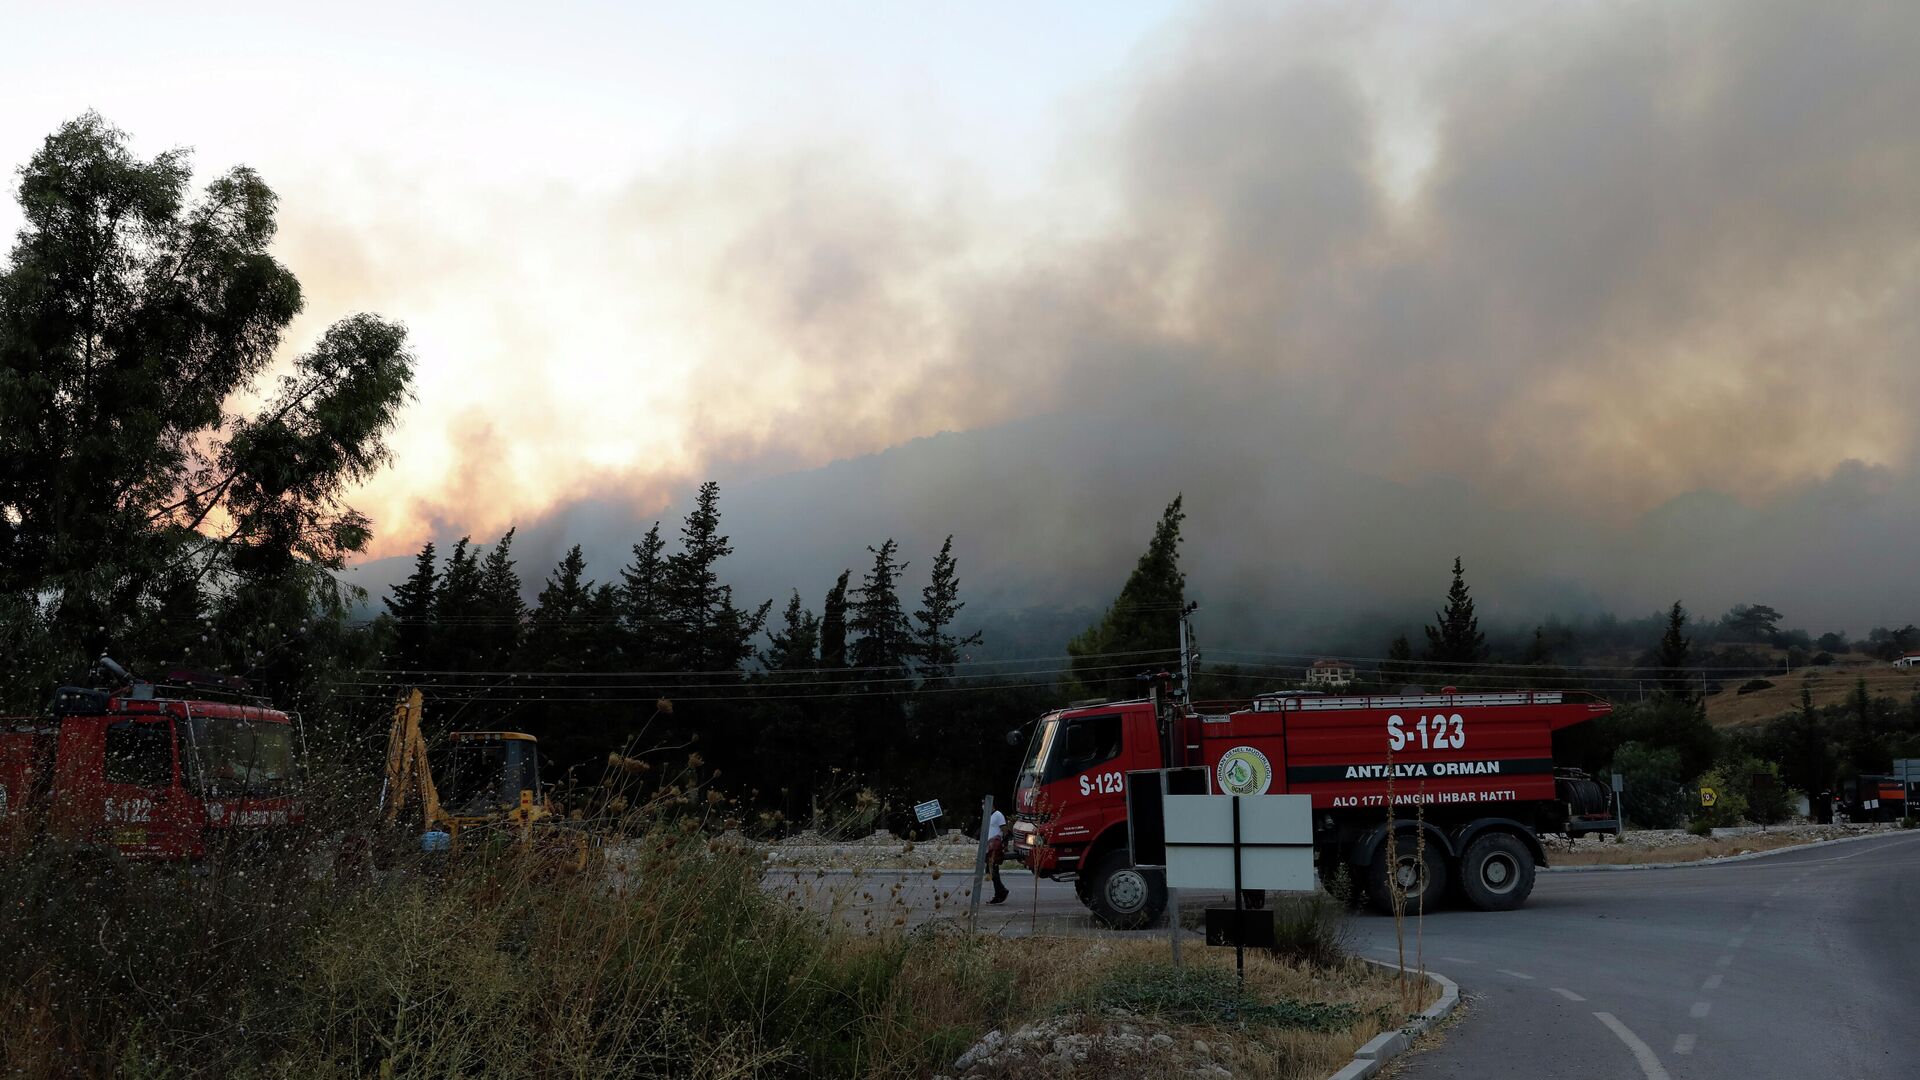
669, 958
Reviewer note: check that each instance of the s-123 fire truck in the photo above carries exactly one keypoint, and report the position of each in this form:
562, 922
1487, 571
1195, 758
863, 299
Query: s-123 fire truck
151, 770
1473, 771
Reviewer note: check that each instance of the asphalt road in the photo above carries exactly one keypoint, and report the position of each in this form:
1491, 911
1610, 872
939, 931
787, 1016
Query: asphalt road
1795, 965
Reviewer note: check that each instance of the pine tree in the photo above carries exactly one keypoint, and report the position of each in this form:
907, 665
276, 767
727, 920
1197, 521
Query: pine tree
456, 606
885, 643
707, 633
501, 609
1457, 639
1144, 618
559, 626
410, 606
938, 649
1539, 653
643, 603
1674, 652
833, 624
1399, 665
792, 649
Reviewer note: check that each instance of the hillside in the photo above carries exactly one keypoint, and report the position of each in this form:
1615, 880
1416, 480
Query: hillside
1830, 686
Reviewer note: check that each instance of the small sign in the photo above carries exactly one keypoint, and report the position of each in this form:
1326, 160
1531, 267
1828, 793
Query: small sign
926, 811
1619, 783
1274, 847
1706, 796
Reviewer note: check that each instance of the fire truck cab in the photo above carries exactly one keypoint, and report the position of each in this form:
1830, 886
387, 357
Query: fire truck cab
148, 771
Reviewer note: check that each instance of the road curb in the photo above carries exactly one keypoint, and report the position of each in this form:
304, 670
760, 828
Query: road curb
1724, 859
1384, 1047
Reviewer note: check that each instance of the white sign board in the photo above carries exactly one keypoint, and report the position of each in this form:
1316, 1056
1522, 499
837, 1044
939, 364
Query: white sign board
1276, 842
926, 811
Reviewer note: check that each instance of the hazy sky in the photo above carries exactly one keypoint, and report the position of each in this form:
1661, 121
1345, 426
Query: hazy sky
555, 197
1636, 281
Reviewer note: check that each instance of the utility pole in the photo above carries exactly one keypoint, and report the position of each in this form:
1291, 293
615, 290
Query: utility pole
1186, 673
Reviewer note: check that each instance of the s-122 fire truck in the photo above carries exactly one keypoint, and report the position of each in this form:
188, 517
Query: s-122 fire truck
153, 771
1473, 771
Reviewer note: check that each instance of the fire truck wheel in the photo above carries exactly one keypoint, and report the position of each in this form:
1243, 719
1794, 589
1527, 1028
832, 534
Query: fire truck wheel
1496, 873
1422, 881
1125, 897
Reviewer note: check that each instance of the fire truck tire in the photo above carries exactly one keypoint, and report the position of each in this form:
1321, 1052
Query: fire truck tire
1424, 878
1125, 897
1496, 873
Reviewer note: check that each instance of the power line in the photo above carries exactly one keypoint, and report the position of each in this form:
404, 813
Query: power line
733, 671
747, 679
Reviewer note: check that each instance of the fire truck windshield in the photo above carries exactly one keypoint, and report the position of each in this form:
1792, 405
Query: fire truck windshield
1038, 749
243, 757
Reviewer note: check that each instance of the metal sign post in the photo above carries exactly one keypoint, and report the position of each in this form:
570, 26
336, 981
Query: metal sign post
1173, 894
980, 862
1239, 906
1230, 841
1619, 806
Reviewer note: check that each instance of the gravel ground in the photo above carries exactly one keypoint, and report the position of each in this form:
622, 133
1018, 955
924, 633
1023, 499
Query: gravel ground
1660, 839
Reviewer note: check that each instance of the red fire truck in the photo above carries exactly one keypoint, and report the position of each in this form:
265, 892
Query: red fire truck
1473, 771
152, 771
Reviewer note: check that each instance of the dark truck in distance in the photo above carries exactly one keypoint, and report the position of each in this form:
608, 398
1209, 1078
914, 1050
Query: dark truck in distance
1478, 768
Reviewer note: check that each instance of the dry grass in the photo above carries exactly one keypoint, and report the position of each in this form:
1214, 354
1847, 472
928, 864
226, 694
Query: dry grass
1830, 686
1051, 975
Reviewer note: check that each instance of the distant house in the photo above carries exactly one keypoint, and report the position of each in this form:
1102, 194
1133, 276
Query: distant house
1330, 673
1912, 659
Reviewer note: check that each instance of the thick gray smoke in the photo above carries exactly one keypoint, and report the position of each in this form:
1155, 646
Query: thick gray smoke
1639, 325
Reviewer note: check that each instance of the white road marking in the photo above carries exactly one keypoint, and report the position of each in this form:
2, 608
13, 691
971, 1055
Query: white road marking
1683, 1044
1568, 994
1738, 940
1700, 1009
1458, 960
1642, 1053
1515, 974
1725, 961
1713, 981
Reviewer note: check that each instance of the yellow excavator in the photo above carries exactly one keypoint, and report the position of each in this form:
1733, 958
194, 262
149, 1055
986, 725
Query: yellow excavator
492, 788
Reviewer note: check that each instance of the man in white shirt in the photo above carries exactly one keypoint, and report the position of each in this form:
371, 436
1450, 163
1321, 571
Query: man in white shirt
996, 853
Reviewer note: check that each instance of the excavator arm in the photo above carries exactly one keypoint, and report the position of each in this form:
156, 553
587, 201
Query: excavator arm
408, 780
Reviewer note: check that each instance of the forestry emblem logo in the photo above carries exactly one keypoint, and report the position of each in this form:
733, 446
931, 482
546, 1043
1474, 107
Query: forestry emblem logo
1243, 771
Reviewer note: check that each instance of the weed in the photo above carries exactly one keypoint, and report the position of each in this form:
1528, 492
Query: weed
1209, 995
